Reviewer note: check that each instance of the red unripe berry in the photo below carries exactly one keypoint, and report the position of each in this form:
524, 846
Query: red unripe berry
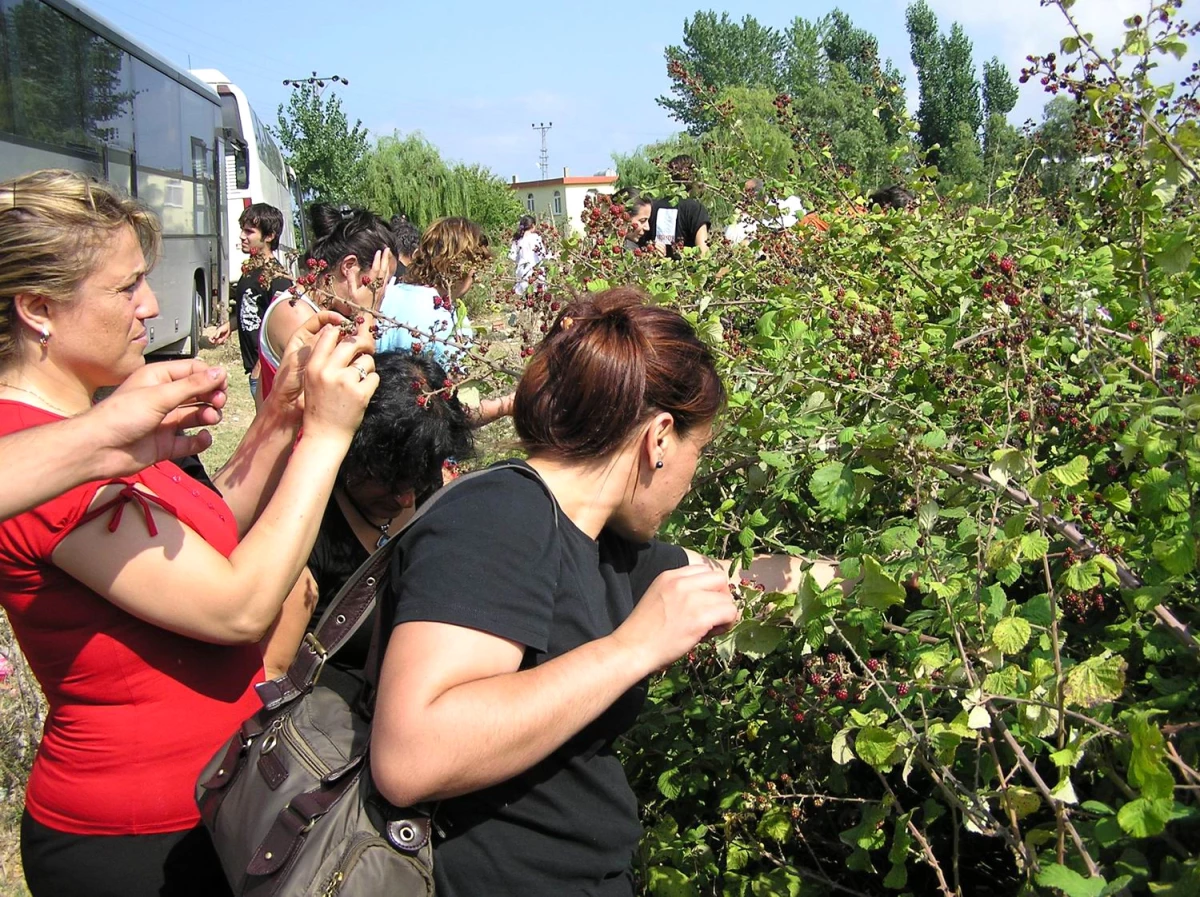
831, 658
1134, 326
873, 665
798, 716
1158, 319
842, 695
902, 689
416, 347
366, 280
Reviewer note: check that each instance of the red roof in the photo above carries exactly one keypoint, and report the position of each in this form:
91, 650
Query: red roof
566, 182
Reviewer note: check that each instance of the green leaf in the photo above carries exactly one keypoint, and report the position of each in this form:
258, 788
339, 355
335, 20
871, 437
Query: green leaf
878, 590
1021, 800
1034, 546
832, 485
840, 748
1082, 576
934, 439
1011, 634
746, 537
670, 784
1118, 496
665, 881
875, 747
1177, 554
776, 825
1098, 680
1176, 253
1145, 818
755, 639
1072, 473
927, 515
1070, 882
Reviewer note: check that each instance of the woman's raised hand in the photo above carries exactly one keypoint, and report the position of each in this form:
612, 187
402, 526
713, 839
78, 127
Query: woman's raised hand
681, 608
339, 380
368, 292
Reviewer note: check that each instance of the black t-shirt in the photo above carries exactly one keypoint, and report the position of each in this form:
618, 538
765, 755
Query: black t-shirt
488, 556
690, 215
336, 554
252, 296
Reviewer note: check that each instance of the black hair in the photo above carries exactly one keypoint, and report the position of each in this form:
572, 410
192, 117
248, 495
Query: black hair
893, 197
401, 442
406, 236
631, 199
682, 169
347, 232
268, 220
523, 226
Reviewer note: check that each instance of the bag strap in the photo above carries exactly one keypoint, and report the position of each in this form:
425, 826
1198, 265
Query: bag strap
354, 603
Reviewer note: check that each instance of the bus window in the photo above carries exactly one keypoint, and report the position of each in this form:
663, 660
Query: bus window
241, 165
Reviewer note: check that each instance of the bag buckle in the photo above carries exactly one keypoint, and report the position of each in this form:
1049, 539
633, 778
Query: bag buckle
321, 653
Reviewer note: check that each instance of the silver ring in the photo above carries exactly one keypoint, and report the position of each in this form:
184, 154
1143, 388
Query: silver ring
362, 375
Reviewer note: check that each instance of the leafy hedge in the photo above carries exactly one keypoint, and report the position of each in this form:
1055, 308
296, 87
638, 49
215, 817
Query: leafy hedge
989, 414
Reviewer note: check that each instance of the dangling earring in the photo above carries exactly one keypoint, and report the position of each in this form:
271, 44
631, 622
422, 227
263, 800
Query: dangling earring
658, 465
45, 336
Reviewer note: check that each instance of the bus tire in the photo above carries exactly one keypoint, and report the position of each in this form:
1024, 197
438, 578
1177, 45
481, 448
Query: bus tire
197, 322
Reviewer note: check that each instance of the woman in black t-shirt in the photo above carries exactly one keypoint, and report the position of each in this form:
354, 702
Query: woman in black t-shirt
529, 614
394, 463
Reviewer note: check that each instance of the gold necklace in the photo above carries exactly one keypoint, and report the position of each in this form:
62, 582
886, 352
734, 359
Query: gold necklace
40, 398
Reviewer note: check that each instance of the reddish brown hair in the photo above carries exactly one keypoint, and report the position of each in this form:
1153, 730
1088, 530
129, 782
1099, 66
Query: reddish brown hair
610, 362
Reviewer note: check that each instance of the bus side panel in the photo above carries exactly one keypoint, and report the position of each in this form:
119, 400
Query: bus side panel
174, 283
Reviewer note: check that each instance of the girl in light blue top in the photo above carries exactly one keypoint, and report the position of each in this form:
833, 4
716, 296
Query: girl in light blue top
442, 270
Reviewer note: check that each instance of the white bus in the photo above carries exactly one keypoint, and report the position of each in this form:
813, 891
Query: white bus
254, 170
77, 93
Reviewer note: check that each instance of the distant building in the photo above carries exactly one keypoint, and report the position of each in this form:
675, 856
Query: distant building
561, 199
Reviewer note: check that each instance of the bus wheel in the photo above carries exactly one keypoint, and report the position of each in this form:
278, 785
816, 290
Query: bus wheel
197, 322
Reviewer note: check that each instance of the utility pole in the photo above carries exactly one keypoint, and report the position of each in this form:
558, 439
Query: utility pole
315, 81
544, 159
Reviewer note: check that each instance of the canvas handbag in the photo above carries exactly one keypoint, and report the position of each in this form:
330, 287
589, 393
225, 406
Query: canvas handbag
289, 800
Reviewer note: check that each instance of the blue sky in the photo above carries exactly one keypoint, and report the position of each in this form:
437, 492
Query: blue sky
473, 76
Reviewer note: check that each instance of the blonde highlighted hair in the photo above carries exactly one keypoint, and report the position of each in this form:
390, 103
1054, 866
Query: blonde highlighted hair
54, 225
450, 249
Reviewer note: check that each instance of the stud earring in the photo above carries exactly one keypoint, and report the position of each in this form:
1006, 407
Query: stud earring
658, 465
45, 336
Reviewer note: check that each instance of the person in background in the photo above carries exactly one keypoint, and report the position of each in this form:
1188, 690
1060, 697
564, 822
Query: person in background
527, 252
893, 197
683, 224
263, 278
788, 212
407, 238
354, 246
450, 254
141, 423
638, 208
140, 601
396, 460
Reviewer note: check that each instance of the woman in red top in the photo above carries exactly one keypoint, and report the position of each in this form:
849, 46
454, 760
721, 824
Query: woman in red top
140, 601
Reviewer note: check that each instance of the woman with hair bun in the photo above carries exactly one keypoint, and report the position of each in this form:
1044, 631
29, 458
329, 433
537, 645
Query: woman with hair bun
527, 616
352, 253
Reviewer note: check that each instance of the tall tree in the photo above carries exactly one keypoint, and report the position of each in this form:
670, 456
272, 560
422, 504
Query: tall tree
326, 153
948, 85
721, 53
406, 174
999, 91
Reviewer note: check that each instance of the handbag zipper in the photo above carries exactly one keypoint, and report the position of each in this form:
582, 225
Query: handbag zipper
349, 858
301, 751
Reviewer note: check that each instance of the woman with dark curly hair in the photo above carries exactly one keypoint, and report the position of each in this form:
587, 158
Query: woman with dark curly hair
412, 426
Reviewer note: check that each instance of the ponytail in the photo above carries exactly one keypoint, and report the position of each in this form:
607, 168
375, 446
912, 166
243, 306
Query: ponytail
609, 363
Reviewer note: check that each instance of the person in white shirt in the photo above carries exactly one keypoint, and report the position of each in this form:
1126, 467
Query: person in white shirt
527, 252
790, 210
